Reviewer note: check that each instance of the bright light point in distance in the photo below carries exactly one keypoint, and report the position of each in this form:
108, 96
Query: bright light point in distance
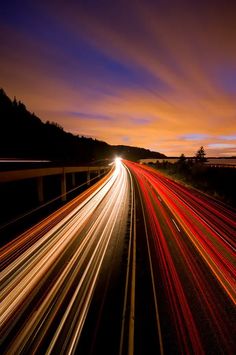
118, 160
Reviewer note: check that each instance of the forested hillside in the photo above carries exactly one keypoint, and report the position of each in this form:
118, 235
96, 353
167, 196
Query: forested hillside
24, 135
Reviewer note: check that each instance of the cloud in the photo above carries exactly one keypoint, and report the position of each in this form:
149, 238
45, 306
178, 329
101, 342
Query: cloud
154, 74
228, 138
194, 136
89, 116
221, 145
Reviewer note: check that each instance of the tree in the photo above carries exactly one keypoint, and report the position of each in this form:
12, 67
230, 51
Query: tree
182, 159
200, 155
181, 164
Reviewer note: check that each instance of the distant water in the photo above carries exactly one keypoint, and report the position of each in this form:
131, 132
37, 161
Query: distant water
216, 161
210, 161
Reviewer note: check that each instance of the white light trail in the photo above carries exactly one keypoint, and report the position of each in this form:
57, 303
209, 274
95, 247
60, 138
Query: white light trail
64, 262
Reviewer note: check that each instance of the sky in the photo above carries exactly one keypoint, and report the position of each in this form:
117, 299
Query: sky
157, 74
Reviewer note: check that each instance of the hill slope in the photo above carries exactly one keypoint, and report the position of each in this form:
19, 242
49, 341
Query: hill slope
24, 135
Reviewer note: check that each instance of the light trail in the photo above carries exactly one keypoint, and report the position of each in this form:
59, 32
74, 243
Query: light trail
191, 239
49, 273
128, 313
185, 241
154, 291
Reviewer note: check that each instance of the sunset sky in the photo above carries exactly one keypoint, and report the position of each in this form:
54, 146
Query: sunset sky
158, 74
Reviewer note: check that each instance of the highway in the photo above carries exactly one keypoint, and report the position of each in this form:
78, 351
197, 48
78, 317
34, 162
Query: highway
49, 274
191, 248
136, 264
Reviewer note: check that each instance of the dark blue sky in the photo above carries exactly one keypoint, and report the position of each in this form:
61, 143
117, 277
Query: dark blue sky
156, 74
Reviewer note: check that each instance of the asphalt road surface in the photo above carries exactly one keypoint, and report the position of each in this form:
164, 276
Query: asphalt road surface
136, 264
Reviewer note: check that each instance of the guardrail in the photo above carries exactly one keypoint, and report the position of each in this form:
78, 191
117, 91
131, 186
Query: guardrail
39, 173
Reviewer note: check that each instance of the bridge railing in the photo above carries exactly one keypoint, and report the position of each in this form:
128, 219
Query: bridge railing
40, 173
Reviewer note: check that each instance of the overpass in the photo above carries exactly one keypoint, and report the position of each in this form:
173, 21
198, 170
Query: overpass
40, 173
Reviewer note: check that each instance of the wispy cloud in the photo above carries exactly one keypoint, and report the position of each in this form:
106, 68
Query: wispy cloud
221, 145
194, 137
228, 138
153, 74
89, 116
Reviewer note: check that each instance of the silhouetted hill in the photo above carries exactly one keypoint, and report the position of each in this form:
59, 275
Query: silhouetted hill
24, 135
131, 153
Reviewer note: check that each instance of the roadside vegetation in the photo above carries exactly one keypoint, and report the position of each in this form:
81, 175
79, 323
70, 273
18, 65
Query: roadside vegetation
216, 181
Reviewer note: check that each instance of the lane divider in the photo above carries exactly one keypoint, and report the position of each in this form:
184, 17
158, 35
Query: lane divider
175, 225
128, 314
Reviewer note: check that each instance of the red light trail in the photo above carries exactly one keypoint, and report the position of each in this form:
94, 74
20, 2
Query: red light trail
193, 242
132, 220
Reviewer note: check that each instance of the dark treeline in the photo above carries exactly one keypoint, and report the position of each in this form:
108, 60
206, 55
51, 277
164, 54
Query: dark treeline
135, 153
24, 135
216, 181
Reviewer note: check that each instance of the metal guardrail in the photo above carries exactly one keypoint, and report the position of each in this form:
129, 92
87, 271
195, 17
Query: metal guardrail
14, 175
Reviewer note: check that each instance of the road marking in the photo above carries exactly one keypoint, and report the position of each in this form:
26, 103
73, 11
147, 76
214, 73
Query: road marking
175, 225
132, 300
152, 278
130, 280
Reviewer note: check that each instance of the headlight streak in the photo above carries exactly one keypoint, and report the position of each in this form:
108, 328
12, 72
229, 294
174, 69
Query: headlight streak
71, 252
18, 245
128, 313
50, 272
208, 228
